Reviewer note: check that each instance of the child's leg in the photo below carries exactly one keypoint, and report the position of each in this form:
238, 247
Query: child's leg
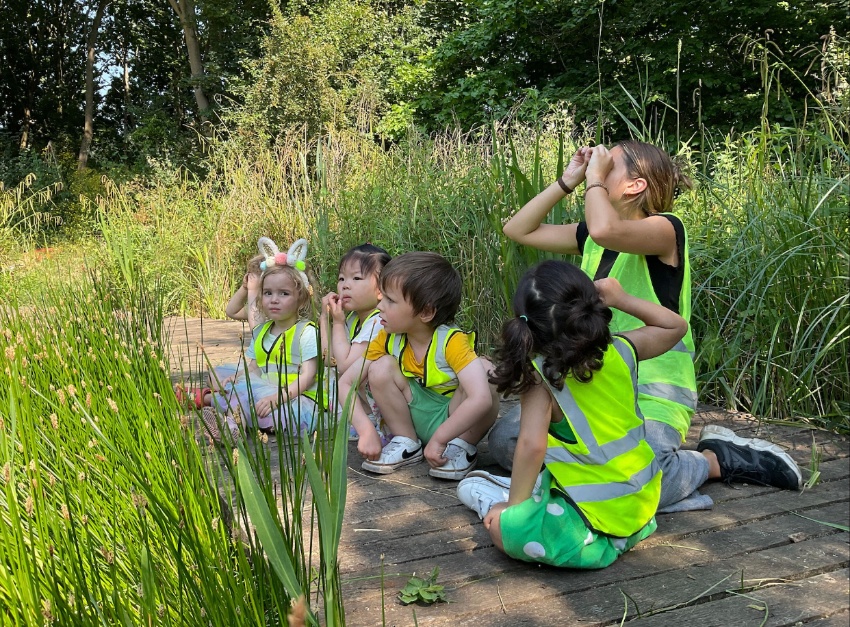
503, 438
391, 390
298, 415
683, 471
474, 434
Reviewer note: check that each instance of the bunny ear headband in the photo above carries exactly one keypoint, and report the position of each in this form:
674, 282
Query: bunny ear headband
294, 257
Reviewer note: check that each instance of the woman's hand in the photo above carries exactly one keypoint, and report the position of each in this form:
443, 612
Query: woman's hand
600, 165
575, 172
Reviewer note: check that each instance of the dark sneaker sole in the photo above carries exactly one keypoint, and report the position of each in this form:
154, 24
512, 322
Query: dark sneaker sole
385, 469
716, 432
453, 475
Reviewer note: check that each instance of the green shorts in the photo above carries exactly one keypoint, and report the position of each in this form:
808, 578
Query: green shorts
546, 528
428, 409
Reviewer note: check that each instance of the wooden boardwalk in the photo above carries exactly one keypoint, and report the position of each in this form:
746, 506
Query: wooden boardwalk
761, 556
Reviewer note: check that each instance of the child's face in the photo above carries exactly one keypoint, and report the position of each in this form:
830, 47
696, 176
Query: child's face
396, 313
280, 298
357, 292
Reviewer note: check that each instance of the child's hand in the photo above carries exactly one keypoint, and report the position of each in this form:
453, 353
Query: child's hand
265, 405
369, 445
434, 453
493, 515
574, 174
252, 281
332, 304
600, 165
610, 291
245, 281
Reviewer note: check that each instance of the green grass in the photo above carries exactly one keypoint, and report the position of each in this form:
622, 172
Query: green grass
110, 511
768, 225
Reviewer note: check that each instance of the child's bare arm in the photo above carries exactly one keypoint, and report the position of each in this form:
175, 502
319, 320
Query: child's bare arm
664, 328
535, 416
369, 443
476, 405
236, 308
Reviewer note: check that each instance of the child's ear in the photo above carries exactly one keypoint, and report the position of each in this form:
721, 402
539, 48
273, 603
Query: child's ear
427, 314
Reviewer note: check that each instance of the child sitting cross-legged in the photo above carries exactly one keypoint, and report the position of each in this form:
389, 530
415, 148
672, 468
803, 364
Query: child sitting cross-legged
601, 483
427, 381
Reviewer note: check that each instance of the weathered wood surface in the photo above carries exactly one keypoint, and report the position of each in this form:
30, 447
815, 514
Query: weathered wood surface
753, 557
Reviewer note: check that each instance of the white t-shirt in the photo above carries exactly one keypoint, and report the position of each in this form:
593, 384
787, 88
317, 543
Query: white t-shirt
367, 332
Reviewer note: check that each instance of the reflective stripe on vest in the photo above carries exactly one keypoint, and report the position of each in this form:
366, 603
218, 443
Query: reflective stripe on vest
437, 375
610, 472
352, 322
666, 384
284, 357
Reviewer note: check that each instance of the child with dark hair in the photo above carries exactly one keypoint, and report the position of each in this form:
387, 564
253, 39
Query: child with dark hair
427, 381
350, 319
598, 492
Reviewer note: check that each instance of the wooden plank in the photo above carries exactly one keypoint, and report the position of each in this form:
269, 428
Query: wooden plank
790, 604
460, 570
411, 550
536, 597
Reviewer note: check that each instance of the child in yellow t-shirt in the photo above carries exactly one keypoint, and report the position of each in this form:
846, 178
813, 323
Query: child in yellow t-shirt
428, 382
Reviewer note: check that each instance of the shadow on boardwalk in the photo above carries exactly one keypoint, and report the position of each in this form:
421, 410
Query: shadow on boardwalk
761, 556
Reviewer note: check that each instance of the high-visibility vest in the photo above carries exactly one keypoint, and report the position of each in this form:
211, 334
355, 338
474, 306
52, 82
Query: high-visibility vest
666, 384
353, 324
610, 473
438, 375
284, 357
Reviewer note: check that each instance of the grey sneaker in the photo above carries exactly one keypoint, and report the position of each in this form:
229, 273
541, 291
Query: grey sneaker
480, 494
401, 451
750, 460
462, 457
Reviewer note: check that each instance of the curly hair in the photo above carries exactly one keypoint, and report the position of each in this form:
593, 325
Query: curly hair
559, 316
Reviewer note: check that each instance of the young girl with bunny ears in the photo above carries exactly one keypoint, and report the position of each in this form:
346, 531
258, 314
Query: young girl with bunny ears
599, 491
629, 234
277, 382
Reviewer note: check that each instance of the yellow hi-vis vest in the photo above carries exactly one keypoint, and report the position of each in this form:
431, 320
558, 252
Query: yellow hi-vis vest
610, 473
353, 324
284, 357
438, 375
667, 385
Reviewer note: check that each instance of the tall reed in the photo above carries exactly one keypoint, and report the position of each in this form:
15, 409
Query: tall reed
112, 513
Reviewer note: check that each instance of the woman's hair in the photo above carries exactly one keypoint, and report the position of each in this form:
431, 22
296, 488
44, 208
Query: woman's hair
559, 316
371, 258
254, 264
664, 178
303, 291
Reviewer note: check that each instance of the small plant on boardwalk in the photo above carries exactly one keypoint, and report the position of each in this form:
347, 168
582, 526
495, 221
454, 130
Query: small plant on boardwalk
425, 591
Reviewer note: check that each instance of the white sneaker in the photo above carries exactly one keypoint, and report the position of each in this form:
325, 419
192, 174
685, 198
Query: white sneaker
462, 457
480, 494
401, 451
503, 482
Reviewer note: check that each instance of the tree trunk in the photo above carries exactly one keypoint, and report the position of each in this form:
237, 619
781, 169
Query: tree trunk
185, 10
88, 126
